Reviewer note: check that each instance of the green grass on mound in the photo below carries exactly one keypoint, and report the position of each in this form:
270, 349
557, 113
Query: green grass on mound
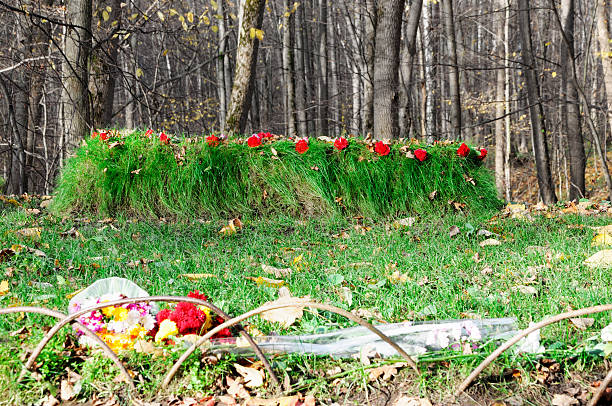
135, 175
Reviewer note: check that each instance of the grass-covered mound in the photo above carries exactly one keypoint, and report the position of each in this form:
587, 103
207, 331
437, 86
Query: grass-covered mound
142, 175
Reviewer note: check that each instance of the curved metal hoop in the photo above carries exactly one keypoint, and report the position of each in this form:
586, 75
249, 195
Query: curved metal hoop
297, 303
76, 315
105, 348
525, 333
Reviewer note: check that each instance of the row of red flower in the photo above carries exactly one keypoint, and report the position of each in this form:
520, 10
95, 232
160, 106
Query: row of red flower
301, 145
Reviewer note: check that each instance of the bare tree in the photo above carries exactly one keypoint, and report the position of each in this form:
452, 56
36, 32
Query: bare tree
453, 69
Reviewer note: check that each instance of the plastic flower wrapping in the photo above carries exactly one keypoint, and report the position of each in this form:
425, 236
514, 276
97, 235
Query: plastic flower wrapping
121, 326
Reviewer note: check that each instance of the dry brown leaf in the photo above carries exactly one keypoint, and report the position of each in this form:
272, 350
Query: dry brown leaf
411, 401
564, 400
433, 195
236, 388
4, 287
387, 371
277, 272
453, 231
32, 232
490, 242
225, 400
232, 227
253, 378
66, 390
288, 315
527, 290
582, 323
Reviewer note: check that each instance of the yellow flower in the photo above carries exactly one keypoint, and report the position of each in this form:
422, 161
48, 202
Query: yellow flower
166, 328
208, 323
120, 314
108, 311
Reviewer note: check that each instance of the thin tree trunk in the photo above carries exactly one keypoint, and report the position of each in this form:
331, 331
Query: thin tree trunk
221, 58
300, 84
508, 144
251, 17
370, 26
428, 54
323, 69
453, 69
536, 111
603, 36
499, 108
408, 53
288, 71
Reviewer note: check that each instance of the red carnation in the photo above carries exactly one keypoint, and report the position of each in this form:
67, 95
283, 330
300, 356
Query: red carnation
197, 295
463, 150
340, 143
254, 141
420, 154
163, 138
382, 149
104, 136
301, 146
483, 154
212, 140
188, 318
163, 315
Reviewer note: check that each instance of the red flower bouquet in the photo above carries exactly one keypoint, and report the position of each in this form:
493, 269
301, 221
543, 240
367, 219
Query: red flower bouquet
254, 141
463, 150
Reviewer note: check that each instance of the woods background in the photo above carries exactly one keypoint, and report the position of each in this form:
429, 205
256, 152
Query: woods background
529, 80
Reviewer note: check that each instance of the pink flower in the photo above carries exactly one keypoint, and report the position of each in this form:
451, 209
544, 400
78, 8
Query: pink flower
382, 149
420, 154
463, 150
254, 141
301, 146
340, 143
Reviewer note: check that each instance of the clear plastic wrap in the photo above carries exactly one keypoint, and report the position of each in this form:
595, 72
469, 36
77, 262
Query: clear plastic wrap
108, 286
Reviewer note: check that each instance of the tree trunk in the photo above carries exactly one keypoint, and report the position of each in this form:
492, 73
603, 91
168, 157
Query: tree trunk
288, 72
428, 92
323, 70
508, 191
499, 108
76, 73
603, 36
251, 17
536, 111
453, 69
300, 84
386, 73
407, 61
370, 25
571, 105
220, 66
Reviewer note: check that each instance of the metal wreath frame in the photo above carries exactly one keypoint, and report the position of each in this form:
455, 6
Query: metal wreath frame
72, 318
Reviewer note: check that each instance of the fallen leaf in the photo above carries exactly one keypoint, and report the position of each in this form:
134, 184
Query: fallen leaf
564, 400
387, 371
260, 280
453, 231
527, 290
4, 287
485, 233
32, 211
582, 323
601, 240
235, 388
32, 232
136, 171
397, 277
73, 232
49, 400
66, 390
232, 227
411, 401
285, 316
601, 259
6, 254
490, 242
194, 277
277, 272
252, 377
433, 195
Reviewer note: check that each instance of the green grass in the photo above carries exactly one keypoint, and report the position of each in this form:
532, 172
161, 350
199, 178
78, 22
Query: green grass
144, 177
445, 281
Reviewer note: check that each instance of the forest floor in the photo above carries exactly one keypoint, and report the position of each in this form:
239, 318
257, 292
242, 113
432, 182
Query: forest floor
385, 270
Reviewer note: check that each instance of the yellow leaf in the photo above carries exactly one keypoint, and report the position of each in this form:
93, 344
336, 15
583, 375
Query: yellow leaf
214, 28
193, 277
554, 74
160, 15
190, 17
213, 3
138, 72
173, 12
259, 34
602, 239
105, 15
4, 288
252, 32
273, 283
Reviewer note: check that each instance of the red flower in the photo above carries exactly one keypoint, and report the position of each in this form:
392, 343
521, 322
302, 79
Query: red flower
104, 136
224, 333
463, 150
197, 295
301, 146
94, 134
254, 141
212, 140
340, 143
163, 315
382, 149
188, 318
267, 135
483, 154
149, 133
420, 154
163, 138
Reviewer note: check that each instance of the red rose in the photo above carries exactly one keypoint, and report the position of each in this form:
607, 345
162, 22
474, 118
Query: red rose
163, 138
104, 136
301, 146
420, 154
340, 143
149, 133
212, 140
483, 154
463, 150
254, 141
197, 295
382, 149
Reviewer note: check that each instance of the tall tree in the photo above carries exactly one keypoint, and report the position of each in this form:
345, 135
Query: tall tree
453, 69
323, 69
386, 72
370, 22
407, 62
428, 67
251, 17
288, 71
499, 105
536, 110
76, 72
